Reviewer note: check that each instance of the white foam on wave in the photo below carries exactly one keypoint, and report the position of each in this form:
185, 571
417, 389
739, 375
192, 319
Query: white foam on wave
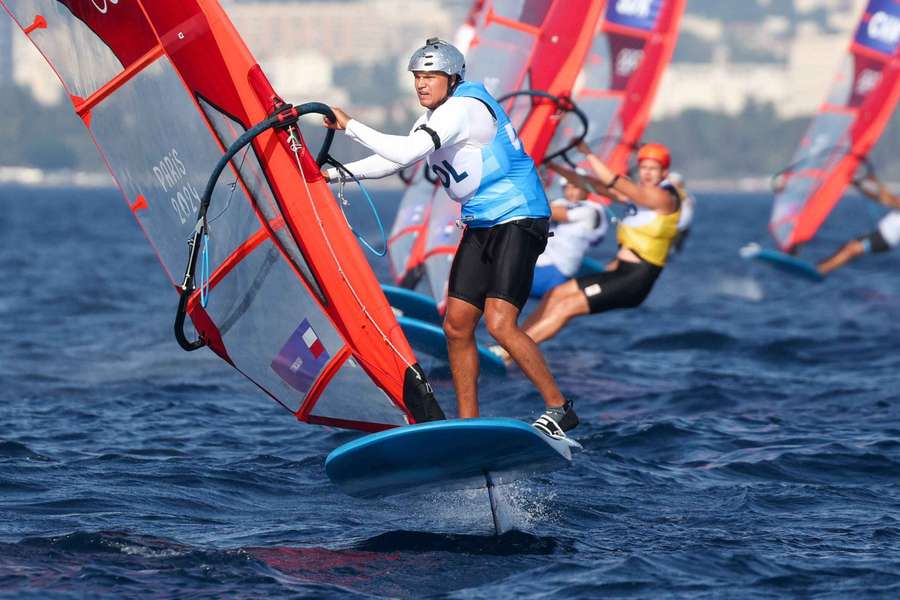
521, 506
745, 288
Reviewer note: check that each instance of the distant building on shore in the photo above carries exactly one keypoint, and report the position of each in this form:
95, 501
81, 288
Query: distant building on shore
772, 61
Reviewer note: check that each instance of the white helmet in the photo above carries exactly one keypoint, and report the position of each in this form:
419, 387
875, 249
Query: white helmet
438, 55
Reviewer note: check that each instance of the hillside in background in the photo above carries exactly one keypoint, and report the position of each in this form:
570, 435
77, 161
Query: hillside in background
742, 135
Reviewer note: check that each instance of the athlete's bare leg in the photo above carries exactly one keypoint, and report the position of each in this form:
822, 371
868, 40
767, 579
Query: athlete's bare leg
549, 298
571, 302
460, 322
501, 319
848, 252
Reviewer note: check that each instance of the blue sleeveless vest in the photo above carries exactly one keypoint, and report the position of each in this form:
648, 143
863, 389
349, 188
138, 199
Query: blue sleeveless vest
510, 187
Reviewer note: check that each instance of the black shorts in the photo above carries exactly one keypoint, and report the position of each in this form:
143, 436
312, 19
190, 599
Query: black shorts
497, 262
625, 287
874, 242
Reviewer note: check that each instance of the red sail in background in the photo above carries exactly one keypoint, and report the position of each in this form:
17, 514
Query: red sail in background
164, 86
859, 106
616, 88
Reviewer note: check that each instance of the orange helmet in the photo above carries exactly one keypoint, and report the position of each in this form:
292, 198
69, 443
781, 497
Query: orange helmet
656, 152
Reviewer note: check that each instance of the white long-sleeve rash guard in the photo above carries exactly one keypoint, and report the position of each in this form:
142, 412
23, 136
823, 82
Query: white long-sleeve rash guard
459, 120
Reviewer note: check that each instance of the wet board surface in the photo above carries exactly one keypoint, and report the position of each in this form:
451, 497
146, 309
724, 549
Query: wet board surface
444, 455
412, 304
430, 339
783, 262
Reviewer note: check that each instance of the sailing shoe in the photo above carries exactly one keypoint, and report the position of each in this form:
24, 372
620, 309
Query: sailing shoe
556, 421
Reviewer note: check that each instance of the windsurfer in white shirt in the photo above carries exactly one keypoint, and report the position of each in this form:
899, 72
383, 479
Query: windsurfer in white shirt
885, 237
467, 140
578, 224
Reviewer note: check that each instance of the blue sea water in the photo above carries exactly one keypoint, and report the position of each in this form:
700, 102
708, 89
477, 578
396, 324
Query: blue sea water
741, 438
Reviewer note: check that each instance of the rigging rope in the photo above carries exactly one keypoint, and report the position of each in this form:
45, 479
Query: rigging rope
344, 202
295, 148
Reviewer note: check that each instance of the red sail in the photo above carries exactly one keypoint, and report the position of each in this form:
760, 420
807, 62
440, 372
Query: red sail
632, 47
850, 121
164, 86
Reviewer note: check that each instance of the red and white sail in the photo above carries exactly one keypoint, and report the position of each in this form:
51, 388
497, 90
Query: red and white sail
629, 54
859, 106
164, 86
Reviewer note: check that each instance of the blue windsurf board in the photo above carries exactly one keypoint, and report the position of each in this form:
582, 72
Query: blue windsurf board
445, 455
412, 304
782, 261
430, 339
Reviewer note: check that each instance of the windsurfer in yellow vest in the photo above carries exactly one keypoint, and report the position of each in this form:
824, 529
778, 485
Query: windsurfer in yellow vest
645, 236
882, 239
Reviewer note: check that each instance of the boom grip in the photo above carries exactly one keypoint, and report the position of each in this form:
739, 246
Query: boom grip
285, 116
320, 108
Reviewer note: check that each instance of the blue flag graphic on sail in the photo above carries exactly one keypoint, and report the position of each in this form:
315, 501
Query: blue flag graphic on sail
301, 358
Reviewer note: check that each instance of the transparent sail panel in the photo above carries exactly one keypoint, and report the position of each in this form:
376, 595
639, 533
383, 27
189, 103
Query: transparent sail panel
162, 152
597, 73
443, 237
273, 329
604, 125
530, 12
401, 249
499, 59
352, 396
825, 144
413, 205
251, 173
842, 88
409, 223
67, 38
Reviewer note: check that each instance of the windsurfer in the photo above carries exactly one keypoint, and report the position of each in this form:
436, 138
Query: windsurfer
578, 224
882, 239
644, 236
468, 142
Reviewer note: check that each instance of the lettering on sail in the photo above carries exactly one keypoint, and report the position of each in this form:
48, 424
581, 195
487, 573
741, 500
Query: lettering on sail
628, 60
885, 28
103, 5
634, 8
171, 174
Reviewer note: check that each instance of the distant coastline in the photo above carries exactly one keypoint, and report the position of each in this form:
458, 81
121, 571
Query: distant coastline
51, 178
48, 178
